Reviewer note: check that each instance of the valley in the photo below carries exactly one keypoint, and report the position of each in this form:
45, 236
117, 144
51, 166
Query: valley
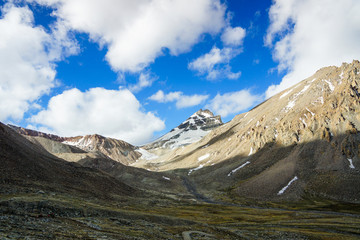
287, 169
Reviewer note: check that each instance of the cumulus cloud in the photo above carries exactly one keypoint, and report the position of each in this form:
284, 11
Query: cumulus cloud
182, 101
307, 35
233, 36
136, 32
112, 113
145, 80
215, 64
27, 56
233, 102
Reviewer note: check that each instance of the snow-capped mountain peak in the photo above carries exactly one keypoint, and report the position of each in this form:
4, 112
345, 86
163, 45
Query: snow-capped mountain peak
191, 130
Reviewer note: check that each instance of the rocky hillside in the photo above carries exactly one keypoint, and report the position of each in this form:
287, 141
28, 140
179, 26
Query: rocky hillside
321, 107
114, 149
305, 139
33, 133
76, 148
25, 165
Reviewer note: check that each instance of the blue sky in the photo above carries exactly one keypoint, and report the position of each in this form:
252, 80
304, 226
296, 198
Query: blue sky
133, 70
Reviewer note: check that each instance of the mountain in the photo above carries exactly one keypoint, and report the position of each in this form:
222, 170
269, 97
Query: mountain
302, 142
306, 137
26, 166
191, 130
80, 147
297, 155
107, 155
33, 133
114, 149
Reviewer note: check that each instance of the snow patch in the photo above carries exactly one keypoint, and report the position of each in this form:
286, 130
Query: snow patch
351, 165
286, 93
341, 75
205, 114
184, 137
195, 169
303, 90
203, 157
250, 121
303, 121
238, 168
81, 143
290, 105
166, 178
312, 114
288, 185
146, 155
331, 86
251, 151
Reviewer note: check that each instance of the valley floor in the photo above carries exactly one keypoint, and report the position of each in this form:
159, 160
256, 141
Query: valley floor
46, 215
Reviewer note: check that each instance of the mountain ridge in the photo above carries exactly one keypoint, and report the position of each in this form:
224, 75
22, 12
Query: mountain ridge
307, 134
300, 113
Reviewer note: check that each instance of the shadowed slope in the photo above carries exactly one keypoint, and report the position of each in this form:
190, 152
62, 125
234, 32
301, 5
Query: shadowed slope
25, 164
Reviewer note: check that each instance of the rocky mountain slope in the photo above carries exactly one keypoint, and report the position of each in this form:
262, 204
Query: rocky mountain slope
114, 149
25, 165
190, 131
76, 148
107, 155
305, 139
33, 133
302, 142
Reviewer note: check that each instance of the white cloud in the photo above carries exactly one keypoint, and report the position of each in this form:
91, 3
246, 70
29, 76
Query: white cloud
182, 101
307, 35
27, 54
136, 32
161, 97
233, 102
189, 101
233, 36
215, 64
145, 80
112, 113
